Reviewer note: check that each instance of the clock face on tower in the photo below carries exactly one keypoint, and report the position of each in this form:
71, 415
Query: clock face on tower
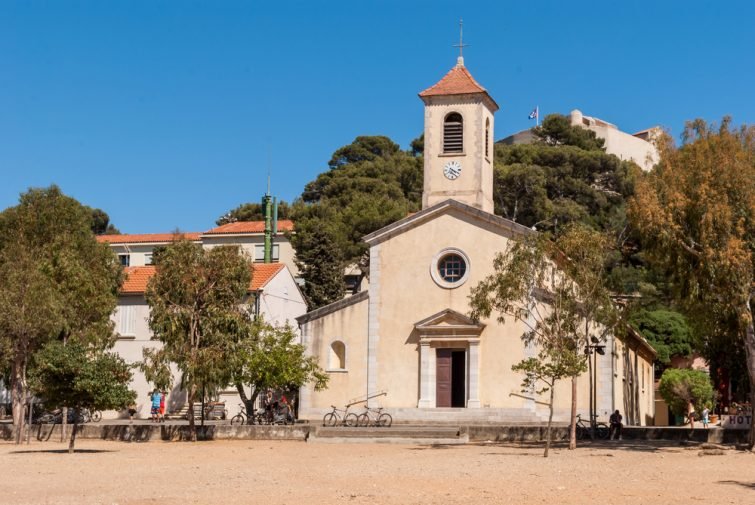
452, 170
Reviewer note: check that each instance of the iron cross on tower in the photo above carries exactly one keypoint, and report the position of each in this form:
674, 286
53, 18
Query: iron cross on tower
461, 45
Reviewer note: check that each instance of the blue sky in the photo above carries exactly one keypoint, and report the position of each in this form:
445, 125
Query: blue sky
167, 114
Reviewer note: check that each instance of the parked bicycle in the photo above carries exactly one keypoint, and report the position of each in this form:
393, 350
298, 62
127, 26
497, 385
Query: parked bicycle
374, 417
338, 417
585, 431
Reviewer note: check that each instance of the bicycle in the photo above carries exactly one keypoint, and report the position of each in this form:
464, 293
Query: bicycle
585, 431
374, 417
242, 417
339, 417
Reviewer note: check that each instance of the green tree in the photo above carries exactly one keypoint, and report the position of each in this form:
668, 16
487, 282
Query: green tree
697, 212
553, 185
56, 283
666, 330
557, 130
79, 376
552, 364
556, 291
371, 183
196, 310
101, 224
252, 212
320, 265
683, 388
273, 359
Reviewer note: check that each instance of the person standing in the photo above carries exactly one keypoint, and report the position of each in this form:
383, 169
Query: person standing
706, 417
155, 410
163, 395
615, 426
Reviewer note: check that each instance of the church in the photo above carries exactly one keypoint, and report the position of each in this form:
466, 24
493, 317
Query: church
406, 342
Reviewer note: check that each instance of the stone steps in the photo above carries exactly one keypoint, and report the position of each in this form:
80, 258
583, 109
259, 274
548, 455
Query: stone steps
395, 434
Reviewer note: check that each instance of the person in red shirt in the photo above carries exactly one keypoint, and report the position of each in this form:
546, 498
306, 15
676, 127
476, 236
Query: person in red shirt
162, 406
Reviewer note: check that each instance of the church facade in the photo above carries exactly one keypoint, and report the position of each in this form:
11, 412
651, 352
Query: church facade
408, 337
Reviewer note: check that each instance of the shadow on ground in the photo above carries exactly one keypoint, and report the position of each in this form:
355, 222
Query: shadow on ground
61, 451
749, 485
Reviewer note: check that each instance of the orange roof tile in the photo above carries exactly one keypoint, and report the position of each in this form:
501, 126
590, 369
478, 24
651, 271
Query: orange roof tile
262, 273
249, 227
138, 277
144, 238
457, 81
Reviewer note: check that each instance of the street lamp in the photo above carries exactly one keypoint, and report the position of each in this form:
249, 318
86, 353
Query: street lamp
592, 349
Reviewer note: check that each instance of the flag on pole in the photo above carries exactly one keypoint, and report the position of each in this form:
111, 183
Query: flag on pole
535, 114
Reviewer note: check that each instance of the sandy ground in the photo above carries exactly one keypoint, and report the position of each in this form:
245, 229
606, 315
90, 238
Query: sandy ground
310, 473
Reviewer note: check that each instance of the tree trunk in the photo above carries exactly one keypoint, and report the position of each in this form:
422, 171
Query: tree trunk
245, 401
192, 424
550, 422
573, 426
750, 353
19, 389
74, 430
64, 424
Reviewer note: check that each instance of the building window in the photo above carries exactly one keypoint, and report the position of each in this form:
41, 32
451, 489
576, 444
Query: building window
124, 259
259, 253
148, 259
487, 138
450, 268
453, 133
337, 356
126, 320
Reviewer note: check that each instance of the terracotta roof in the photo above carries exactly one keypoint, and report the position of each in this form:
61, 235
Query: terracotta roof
458, 81
144, 238
262, 273
249, 227
138, 277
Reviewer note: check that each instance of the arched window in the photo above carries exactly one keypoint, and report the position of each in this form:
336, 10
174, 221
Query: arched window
337, 356
487, 138
453, 133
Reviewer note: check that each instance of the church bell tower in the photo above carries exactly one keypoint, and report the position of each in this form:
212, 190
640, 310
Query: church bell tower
458, 141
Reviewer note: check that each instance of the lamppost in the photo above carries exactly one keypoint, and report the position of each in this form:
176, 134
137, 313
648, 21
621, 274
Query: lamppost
592, 350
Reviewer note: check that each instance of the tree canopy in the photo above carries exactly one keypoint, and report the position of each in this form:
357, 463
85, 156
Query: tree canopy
556, 290
557, 130
196, 311
56, 282
79, 376
697, 212
273, 359
682, 388
666, 330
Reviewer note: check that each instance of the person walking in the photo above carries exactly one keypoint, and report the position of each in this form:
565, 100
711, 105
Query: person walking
155, 410
615, 426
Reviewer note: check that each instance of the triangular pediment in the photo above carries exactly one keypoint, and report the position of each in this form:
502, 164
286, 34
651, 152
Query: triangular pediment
475, 216
449, 323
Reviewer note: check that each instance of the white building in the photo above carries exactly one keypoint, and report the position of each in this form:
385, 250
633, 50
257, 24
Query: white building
637, 147
273, 289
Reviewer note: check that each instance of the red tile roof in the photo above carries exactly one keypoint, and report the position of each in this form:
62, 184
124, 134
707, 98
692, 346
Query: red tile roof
249, 227
144, 238
262, 273
138, 277
458, 81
